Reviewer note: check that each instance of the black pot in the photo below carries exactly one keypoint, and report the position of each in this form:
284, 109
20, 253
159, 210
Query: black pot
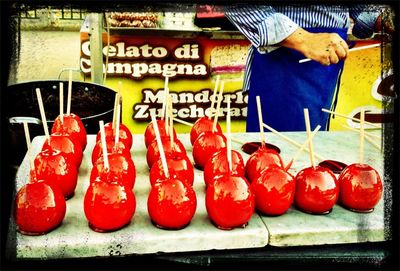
91, 102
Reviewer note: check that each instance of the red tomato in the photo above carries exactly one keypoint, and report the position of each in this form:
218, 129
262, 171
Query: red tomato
179, 167
205, 146
125, 134
218, 165
260, 160
108, 205
66, 146
317, 190
73, 126
57, 171
119, 148
202, 124
274, 191
153, 153
38, 208
229, 202
121, 168
360, 187
171, 204
149, 134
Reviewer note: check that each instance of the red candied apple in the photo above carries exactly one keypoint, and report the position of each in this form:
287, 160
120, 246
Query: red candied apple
317, 190
274, 191
72, 125
218, 165
150, 135
171, 204
64, 144
360, 187
179, 167
38, 208
205, 146
125, 134
57, 171
108, 204
121, 167
153, 153
229, 202
203, 124
262, 158
111, 147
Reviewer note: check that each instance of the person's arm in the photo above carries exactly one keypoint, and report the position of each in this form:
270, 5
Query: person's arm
261, 24
264, 27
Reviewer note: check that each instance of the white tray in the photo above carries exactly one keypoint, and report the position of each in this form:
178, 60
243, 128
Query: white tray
74, 238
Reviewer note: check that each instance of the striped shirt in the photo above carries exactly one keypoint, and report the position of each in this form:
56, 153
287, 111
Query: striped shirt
266, 26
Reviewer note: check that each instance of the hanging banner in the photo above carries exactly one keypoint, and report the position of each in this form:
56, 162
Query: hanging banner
192, 66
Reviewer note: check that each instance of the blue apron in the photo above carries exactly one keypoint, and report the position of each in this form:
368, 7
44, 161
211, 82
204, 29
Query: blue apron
286, 87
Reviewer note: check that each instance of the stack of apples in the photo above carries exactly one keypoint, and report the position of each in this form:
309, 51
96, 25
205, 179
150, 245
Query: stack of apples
109, 202
172, 201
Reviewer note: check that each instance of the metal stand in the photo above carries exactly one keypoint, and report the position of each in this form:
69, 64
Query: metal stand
96, 46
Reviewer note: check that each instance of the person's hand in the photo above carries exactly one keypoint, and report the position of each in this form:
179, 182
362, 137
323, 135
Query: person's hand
325, 48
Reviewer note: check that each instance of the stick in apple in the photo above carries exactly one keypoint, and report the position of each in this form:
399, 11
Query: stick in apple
116, 102
308, 129
62, 102
228, 133
260, 121
221, 90
42, 113
171, 121
117, 123
104, 145
166, 93
366, 136
302, 147
160, 146
362, 118
69, 92
214, 98
355, 119
291, 141
183, 122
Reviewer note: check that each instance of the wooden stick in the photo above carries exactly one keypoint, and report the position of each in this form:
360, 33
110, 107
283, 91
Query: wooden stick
308, 129
296, 155
362, 117
291, 141
69, 92
104, 145
260, 121
117, 124
166, 93
238, 141
62, 102
366, 136
42, 113
117, 100
350, 50
221, 90
160, 146
183, 122
228, 134
170, 119
28, 144
214, 93
365, 133
355, 119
